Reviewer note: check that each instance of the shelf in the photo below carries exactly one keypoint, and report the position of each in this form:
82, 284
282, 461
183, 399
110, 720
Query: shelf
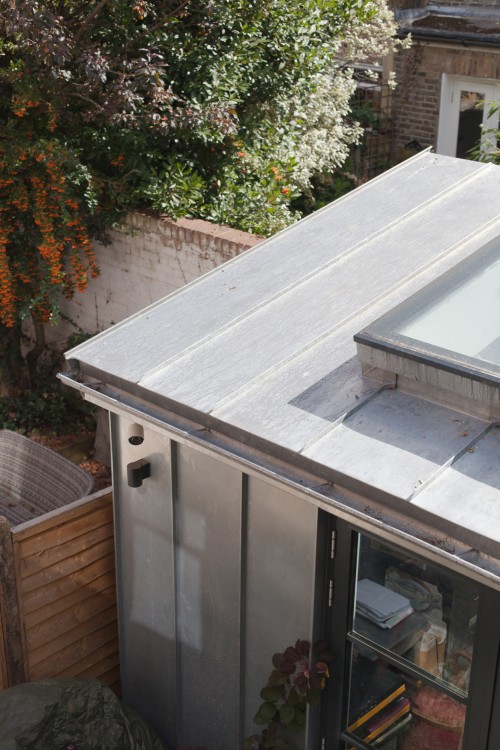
390, 709
411, 669
411, 644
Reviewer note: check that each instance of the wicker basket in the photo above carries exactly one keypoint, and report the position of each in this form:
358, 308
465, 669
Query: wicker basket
35, 479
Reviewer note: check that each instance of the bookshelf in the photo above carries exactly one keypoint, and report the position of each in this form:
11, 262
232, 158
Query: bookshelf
406, 685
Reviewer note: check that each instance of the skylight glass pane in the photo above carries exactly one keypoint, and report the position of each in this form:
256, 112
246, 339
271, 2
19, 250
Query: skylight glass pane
453, 323
467, 320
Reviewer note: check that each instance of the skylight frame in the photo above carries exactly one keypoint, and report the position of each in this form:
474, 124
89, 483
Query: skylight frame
385, 333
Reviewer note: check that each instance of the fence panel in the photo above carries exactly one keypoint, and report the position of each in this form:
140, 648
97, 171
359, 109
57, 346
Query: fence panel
63, 568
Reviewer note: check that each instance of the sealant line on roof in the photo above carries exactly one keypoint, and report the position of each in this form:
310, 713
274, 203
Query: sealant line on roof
347, 254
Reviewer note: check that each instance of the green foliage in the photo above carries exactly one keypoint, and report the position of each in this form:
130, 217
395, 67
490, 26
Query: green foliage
487, 149
157, 99
215, 109
254, 190
324, 189
49, 408
295, 682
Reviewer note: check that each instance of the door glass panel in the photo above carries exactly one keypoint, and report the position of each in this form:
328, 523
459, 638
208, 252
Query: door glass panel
390, 710
470, 119
420, 612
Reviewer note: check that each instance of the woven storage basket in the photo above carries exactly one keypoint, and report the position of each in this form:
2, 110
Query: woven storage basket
35, 479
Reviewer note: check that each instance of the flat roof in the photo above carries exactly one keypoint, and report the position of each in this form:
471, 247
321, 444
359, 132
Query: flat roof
262, 348
463, 24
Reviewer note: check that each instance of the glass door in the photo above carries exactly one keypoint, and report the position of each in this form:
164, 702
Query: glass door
412, 635
465, 116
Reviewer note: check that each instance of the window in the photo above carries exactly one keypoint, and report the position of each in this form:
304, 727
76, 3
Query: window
420, 653
413, 641
453, 323
465, 115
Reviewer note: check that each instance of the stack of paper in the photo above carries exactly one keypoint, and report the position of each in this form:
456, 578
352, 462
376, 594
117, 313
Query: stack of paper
381, 605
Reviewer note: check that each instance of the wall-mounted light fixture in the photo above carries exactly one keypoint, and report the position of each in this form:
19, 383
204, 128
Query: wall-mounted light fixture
137, 471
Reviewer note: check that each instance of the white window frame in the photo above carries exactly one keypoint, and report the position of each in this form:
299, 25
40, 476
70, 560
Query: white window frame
449, 111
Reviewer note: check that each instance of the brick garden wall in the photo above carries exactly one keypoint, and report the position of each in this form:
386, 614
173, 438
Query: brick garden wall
146, 260
419, 74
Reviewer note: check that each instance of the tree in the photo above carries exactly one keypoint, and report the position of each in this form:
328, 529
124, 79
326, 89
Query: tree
220, 109
487, 148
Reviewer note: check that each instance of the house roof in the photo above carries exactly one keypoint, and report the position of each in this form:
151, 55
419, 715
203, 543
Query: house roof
456, 23
261, 350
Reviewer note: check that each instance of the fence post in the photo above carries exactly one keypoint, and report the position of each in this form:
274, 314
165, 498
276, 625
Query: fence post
11, 647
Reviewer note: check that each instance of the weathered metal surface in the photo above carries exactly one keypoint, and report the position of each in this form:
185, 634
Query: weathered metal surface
162, 332
208, 512
280, 584
467, 493
216, 572
146, 586
261, 349
295, 317
390, 443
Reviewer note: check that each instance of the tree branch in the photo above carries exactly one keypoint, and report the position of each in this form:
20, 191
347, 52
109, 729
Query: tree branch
88, 20
87, 99
172, 14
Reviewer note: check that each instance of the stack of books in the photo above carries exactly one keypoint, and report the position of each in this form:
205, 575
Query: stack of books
379, 604
379, 707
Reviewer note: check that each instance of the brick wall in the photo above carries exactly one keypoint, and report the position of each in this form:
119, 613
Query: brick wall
147, 259
419, 73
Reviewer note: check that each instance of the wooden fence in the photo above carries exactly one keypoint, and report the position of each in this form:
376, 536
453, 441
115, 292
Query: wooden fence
58, 595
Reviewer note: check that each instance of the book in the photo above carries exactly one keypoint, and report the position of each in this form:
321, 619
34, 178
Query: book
386, 719
373, 688
392, 730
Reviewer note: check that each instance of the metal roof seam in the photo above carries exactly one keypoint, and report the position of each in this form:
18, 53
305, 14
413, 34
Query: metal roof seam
314, 341
214, 335
362, 402
448, 464
256, 248
348, 254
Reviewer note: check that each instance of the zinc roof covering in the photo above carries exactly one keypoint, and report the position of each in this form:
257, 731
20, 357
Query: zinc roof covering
262, 348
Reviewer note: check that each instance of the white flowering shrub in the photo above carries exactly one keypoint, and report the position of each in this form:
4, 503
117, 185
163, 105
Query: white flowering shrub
307, 131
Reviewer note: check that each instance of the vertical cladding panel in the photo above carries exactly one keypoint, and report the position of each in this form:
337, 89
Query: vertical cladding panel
280, 583
208, 513
144, 546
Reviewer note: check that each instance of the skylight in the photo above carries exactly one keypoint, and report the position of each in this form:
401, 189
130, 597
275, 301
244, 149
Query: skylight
453, 323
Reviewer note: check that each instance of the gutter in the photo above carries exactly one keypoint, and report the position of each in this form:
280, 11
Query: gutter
363, 509
465, 40
406, 19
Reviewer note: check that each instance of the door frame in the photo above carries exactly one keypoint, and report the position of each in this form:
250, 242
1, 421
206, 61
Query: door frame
451, 86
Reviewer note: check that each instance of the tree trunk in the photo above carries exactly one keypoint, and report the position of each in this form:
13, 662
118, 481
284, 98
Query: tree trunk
36, 352
14, 371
